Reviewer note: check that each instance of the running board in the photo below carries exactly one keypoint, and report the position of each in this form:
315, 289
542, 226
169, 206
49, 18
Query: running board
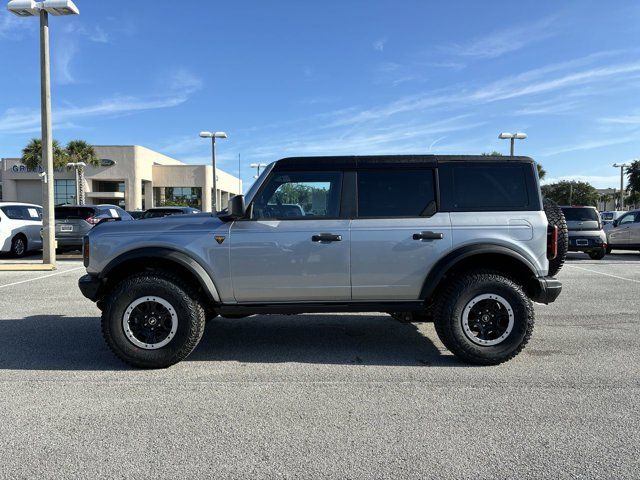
324, 307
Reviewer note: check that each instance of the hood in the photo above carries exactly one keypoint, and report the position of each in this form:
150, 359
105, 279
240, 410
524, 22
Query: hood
197, 221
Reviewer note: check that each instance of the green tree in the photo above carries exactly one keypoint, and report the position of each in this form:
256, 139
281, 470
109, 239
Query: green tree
571, 193
541, 171
81, 151
32, 155
491, 154
633, 199
633, 176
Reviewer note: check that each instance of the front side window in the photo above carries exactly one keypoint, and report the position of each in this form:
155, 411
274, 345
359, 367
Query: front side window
406, 193
303, 195
628, 218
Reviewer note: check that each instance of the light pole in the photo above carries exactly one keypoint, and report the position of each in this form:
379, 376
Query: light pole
79, 169
258, 166
213, 136
30, 8
512, 137
622, 166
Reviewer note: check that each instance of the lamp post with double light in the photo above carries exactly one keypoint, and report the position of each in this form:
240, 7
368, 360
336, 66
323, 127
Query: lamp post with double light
513, 137
30, 8
213, 136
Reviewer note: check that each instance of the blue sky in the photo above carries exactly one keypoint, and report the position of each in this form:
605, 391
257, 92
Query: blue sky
336, 77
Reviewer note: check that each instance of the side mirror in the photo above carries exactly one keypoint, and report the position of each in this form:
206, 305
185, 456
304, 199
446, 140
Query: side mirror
615, 222
235, 208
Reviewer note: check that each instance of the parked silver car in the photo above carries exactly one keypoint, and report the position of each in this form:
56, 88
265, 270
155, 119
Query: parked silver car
585, 231
463, 237
625, 232
73, 222
20, 225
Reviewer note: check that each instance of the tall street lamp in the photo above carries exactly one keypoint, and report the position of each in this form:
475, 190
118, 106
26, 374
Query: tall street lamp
257, 166
621, 166
213, 136
512, 137
30, 8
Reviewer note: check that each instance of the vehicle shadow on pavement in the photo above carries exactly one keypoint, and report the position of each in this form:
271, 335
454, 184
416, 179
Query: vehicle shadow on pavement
55, 342
320, 339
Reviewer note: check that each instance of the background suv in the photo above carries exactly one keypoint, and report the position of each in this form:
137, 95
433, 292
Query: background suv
585, 231
20, 225
625, 232
73, 222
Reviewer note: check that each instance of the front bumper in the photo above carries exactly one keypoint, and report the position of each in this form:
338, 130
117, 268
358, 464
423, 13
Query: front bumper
90, 286
545, 290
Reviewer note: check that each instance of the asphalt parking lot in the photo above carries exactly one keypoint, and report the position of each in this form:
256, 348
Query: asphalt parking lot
313, 396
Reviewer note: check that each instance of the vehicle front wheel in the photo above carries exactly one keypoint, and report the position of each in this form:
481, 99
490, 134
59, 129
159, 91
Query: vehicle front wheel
151, 320
484, 318
19, 246
597, 254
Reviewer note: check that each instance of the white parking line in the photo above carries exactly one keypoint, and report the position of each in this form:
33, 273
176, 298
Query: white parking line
40, 278
602, 273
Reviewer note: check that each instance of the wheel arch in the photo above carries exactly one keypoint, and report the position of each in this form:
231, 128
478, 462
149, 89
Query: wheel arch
479, 256
161, 258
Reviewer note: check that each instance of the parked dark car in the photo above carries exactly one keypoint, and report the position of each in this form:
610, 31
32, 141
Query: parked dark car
136, 214
159, 212
73, 222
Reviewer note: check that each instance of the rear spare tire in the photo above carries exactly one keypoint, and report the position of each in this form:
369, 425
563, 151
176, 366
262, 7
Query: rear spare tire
555, 217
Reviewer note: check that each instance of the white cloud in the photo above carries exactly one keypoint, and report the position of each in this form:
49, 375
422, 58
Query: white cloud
63, 54
505, 41
588, 145
379, 44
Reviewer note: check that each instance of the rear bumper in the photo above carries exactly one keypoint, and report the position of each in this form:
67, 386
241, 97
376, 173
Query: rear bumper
90, 286
545, 290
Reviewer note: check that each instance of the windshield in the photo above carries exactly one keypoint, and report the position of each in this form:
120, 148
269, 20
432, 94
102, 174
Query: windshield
580, 214
254, 188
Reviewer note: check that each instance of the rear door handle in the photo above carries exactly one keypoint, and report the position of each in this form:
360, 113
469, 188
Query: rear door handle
326, 237
428, 236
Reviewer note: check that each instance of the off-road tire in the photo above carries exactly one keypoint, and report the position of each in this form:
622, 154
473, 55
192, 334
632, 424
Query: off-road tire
19, 246
597, 254
189, 310
452, 301
555, 217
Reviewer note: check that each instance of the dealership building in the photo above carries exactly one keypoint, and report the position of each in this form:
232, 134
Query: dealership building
130, 176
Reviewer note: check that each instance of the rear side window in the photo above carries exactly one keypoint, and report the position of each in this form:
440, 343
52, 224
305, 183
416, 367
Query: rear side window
489, 187
21, 212
389, 193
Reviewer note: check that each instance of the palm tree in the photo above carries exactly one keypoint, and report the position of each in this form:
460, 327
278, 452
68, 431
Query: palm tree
81, 151
32, 155
541, 171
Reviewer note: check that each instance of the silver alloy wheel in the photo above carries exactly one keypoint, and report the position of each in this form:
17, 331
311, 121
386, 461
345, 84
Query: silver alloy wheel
150, 322
18, 246
487, 319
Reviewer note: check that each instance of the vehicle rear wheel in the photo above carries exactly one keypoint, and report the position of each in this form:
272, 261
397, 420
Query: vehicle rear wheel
555, 217
19, 246
151, 320
597, 254
484, 318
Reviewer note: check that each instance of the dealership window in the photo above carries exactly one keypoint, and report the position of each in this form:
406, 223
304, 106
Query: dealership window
389, 193
102, 186
178, 196
64, 192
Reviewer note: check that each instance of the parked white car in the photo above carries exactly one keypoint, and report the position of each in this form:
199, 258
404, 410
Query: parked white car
20, 225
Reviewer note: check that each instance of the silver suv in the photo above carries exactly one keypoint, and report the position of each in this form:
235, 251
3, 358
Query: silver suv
463, 238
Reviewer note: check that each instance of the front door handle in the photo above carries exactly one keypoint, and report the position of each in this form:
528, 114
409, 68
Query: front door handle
428, 236
326, 237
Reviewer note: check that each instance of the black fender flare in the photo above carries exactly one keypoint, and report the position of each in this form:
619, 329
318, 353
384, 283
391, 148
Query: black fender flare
181, 258
450, 260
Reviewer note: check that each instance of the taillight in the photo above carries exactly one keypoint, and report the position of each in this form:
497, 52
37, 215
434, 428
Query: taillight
92, 220
85, 251
552, 242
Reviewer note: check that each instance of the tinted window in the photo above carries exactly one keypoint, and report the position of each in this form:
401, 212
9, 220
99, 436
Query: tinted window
299, 195
628, 218
406, 193
577, 214
20, 212
491, 186
74, 213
